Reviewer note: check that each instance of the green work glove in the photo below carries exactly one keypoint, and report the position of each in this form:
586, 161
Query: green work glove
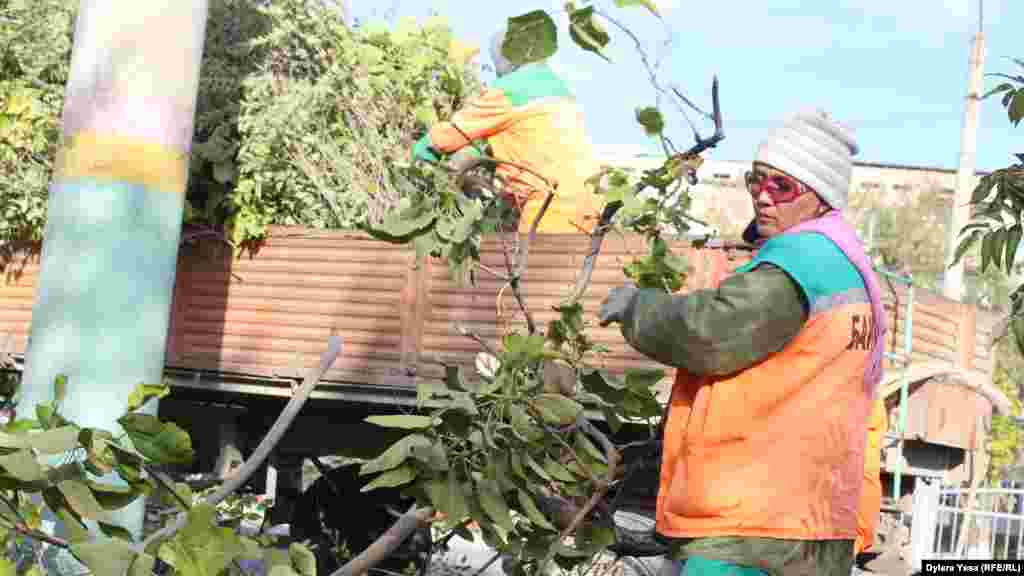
618, 302
424, 151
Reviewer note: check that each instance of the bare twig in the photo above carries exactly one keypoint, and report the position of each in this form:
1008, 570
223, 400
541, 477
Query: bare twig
651, 73
40, 536
492, 272
291, 410
167, 485
521, 260
414, 519
476, 338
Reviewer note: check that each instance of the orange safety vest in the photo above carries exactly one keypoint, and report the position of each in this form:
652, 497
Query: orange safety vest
871, 497
776, 450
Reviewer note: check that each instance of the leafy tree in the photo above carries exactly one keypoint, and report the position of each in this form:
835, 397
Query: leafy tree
270, 71
302, 121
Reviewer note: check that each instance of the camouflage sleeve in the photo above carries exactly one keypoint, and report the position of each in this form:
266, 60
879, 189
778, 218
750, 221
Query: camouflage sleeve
718, 331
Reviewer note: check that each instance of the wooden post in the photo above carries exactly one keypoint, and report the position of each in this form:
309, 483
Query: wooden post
415, 306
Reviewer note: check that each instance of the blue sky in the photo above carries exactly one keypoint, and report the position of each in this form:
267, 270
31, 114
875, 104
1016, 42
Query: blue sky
893, 70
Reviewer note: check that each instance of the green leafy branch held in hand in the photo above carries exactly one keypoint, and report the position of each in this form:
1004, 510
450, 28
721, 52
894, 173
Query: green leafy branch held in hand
511, 448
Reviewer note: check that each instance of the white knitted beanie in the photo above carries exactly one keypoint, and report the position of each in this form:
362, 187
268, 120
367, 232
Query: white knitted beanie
816, 150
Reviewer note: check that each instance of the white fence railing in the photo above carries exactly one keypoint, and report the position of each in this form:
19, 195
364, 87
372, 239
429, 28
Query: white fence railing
949, 524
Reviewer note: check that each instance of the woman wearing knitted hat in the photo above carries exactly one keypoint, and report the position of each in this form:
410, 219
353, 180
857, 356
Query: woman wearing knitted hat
763, 459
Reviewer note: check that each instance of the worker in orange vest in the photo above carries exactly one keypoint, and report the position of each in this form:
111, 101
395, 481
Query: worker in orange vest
530, 119
764, 441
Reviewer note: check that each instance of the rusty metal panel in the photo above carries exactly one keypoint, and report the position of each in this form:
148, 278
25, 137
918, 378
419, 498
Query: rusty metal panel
270, 313
17, 295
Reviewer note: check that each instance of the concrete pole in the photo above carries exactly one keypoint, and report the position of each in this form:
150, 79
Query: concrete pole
952, 283
115, 205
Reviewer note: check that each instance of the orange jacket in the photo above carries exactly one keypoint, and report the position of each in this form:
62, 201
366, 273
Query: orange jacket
777, 450
529, 117
871, 496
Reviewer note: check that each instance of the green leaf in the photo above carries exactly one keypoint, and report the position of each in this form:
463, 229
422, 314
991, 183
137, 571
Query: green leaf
642, 380
447, 497
1004, 87
302, 559
399, 228
983, 189
587, 32
55, 441
7, 567
650, 118
518, 350
143, 393
583, 443
404, 421
99, 456
523, 425
491, 500
1016, 108
433, 456
395, 455
142, 565
80, 498
162, 442
1012, 243
23, 466
532, 511
556, 409
649, 4
112, 497
537, 468
201, 548
987, 253
115, 531
105, 558
73, 522
557, 471
966, 245
60, 389
530, 37
392, 478
612, 419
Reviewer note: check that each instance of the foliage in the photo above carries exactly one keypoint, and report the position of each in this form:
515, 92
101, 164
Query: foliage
998, 218
298, 120
329, 118
35, 52
511, 449
1005, 436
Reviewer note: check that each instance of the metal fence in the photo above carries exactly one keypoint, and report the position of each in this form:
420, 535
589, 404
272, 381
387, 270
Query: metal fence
958, 523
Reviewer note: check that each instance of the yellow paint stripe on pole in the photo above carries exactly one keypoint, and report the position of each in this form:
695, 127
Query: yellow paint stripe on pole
107, 158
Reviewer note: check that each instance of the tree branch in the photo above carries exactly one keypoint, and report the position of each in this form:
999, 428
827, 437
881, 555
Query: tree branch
521, 260
291, 410
613, 456
413, 519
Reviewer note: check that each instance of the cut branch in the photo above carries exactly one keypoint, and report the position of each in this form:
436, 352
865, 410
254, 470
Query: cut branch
601, 488
524, 255
414, 519
291, 410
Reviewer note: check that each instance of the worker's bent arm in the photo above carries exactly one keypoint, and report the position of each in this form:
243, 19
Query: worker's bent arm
718, 331
482, 117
